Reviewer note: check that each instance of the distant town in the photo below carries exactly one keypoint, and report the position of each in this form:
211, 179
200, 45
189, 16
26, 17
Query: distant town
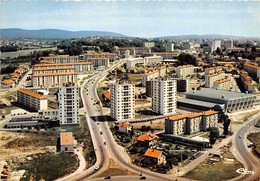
129, 108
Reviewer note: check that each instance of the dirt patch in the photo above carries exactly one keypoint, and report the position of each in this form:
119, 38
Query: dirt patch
21, 145
255, 139
114, 169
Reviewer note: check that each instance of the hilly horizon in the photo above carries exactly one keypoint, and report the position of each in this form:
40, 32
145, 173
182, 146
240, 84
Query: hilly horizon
66, 34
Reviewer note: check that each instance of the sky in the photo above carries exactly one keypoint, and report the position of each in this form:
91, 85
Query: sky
139, 18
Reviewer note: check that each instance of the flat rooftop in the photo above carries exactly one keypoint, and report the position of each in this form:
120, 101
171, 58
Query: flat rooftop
218, 94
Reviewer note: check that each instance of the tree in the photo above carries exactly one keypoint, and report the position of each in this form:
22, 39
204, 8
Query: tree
226, 124
186, 59
213, 135
3, 116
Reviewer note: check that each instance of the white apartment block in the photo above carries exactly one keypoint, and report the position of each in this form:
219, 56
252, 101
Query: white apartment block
176, 125
62, 59
32, 100
184, 71
135, 50
187, 45
56, 79
130, 62
211, 78
229, 44
165, 55
253, 69
68, 105
122, 98
103, 55
97, 62
149, 44
191, 122
169, 47
79, 67
153, 59
164, 94
212, 70
223, 84
161, 72
215, 44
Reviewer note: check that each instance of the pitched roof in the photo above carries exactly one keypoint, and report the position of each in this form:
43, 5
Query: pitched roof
177, 117
147, 137
55, 74
107, 94
153, 153
66, 138
124, 125
32, 94
210, 112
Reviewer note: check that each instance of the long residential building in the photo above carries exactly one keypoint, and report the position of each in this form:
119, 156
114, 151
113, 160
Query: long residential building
156, 73
79, 67
247, 81
97, 62
32, 100
61, 58
223, 84
56, 79
134, 50
122, 97
103, 55
253, 69
211, 78
131, 62
191, 122
165, 55
68, 104
184, 71
164, 94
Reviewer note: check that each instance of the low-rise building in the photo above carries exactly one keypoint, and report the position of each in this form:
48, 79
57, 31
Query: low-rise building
32, 100
156, 156
253, 69
124, 127
147, 139
66, 142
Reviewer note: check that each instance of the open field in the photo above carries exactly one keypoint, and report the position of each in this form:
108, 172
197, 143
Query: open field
215, 170
255, 139
135, 77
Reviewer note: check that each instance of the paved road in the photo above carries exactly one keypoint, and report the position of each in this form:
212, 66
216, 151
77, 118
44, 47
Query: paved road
243, 153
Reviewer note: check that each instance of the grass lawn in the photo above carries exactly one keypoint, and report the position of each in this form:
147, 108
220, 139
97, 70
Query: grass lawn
214, 172
255, 139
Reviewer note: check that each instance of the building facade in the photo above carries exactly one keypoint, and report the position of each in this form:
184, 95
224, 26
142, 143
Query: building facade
184, 71
122, 97
32, 100
169, 47
161, 72
223, 84
164, 94
191, 123
68, 104
211, 78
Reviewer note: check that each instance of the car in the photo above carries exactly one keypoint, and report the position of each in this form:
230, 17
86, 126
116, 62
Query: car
105, 143
100, 132
143, 178
108, 177
96, 168
240, 136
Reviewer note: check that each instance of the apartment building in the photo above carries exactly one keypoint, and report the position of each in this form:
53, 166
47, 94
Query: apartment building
68, 104
184, 71
222, 84
56, 79
211, 78
161, 72
61, 58
169, 47
149, 44
134, 50
253, 69
165, 55
79, 67
97, 62
182, 84
212, 70
191, 122
103, 55
164, 94
32, 100
247, 81
215, 44
131, 62
122, 97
